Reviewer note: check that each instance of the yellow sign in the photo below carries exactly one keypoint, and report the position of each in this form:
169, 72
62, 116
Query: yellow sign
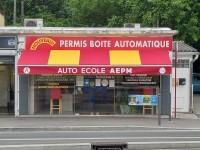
39, 41
46, 86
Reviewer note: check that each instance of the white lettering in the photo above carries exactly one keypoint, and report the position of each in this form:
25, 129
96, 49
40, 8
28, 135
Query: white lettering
112, 70
117, 44
129, 70
100, 43
123, 70
93, 70
156, 44
117, 70
73, 43
120, 70
67, 70
61, 43
167, 43
148, 43
59, 70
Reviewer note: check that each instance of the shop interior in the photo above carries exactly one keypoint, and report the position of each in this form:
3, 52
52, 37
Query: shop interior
93, 94
7, 89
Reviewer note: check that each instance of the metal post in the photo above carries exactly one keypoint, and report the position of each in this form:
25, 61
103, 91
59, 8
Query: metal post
159, 109
175, 67
170, 116
22, 13
159, 101
14, 13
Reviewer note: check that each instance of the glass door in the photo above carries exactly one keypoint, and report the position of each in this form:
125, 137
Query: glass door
94, 95
7, 89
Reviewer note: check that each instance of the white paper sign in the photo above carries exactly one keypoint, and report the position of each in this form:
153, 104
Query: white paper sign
79, 83
111, 83
97, 82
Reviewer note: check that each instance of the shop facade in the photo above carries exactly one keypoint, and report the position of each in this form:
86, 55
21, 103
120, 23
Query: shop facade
94, 74
97, 71
8, 47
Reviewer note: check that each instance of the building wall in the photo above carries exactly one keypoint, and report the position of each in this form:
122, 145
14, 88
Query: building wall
182, 91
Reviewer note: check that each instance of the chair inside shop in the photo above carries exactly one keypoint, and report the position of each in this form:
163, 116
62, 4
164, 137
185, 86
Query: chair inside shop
148, 91
55, 100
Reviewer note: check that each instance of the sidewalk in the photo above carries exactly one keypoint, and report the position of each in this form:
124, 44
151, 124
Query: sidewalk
56, 122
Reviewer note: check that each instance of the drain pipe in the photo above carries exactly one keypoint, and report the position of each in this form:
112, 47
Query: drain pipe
191, 85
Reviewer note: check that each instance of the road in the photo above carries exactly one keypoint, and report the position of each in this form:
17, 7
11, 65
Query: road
184, 138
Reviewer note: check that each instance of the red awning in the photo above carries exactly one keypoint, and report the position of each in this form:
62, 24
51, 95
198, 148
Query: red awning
94, 62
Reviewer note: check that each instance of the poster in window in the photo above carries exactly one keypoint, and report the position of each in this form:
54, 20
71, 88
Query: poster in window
150, 100
111, 83
87, 82
79, 80
79, 83
98, 82
146, 100
104, 82
135, 99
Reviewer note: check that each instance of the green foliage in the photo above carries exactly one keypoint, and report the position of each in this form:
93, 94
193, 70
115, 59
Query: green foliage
89, 13
54, 12
123, 98
7, 8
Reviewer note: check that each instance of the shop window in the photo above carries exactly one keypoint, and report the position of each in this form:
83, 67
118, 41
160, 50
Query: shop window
43, 84
94, 94
131, 91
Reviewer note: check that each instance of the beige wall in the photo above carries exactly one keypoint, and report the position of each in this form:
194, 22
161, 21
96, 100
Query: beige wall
2, 20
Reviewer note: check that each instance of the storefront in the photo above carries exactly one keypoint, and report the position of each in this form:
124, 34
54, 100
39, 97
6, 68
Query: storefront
8, 46
93, 74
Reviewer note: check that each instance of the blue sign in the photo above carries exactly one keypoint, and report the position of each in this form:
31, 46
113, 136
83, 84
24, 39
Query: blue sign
149, 100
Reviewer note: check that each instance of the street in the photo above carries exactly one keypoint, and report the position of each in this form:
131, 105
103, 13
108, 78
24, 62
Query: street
41, 139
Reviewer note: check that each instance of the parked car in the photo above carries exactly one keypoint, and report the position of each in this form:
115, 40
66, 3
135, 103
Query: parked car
196, 82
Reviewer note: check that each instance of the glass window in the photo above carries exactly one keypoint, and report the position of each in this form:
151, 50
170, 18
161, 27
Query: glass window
181, 63
42, 86
94, 94
131, 91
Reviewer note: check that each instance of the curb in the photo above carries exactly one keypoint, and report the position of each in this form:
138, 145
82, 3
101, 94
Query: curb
89, 128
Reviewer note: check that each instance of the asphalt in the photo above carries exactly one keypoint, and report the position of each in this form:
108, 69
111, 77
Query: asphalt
97, 122
100, 123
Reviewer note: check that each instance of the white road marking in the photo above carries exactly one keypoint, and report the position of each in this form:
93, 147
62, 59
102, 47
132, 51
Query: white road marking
108, 138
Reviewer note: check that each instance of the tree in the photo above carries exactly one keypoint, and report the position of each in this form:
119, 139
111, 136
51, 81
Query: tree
89, 13
181, 15
53, 12
7, 8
